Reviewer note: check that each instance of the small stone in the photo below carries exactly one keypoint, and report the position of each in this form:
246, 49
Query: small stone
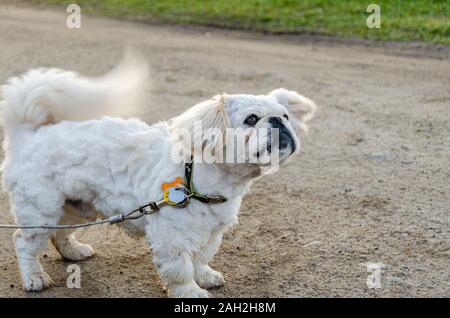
312, 244
397, 281
382, 156
445, 252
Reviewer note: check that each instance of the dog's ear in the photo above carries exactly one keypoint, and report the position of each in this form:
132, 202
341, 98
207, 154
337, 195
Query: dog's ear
206, 124
300, 108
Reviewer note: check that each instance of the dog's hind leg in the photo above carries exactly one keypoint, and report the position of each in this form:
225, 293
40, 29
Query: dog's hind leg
64, 240
28, 245
41, 208
204, 275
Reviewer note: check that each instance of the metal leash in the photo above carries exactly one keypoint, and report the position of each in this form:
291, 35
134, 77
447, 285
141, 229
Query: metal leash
149, 208
177, 197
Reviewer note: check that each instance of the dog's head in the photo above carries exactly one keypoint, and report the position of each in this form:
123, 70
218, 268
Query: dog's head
253, 131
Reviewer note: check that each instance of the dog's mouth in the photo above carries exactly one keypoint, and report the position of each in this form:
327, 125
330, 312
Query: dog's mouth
282, 145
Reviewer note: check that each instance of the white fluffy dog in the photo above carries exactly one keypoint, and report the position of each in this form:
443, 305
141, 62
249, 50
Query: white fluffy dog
65, 162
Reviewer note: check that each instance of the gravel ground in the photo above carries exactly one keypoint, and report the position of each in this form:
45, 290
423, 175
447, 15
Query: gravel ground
372, 183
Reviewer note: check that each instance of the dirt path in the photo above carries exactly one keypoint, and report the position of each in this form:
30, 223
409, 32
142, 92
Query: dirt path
372, 184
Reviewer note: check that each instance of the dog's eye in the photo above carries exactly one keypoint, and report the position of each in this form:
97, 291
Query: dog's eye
286, 116
251, 120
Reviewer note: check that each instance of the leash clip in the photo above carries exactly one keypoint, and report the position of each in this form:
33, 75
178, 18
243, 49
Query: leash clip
216, 198
177, 197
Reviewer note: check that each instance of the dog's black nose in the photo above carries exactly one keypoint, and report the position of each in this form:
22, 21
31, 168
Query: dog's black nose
276, 122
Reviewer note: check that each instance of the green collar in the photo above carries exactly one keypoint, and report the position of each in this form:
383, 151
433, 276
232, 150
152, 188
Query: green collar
188, 183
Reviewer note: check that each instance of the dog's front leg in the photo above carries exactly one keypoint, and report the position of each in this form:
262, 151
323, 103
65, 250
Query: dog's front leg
204, 275
177, 271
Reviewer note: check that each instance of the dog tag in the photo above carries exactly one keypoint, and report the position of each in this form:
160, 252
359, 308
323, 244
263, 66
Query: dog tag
174, 196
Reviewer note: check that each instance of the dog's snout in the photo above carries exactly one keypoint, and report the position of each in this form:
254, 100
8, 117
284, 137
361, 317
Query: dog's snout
285, 137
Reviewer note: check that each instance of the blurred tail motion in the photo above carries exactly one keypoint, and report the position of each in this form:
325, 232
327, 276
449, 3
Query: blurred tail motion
45, 96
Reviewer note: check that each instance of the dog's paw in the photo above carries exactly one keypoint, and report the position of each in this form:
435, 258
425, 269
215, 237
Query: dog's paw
36, 282
191, 290
199, 293
72, 250
208, 278
78, 252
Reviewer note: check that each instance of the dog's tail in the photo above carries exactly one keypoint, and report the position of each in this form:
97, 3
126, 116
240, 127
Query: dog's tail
45, 96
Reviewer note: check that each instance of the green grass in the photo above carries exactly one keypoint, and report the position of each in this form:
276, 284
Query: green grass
402, 20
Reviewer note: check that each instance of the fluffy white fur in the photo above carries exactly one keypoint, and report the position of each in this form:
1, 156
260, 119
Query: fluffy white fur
64, 163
